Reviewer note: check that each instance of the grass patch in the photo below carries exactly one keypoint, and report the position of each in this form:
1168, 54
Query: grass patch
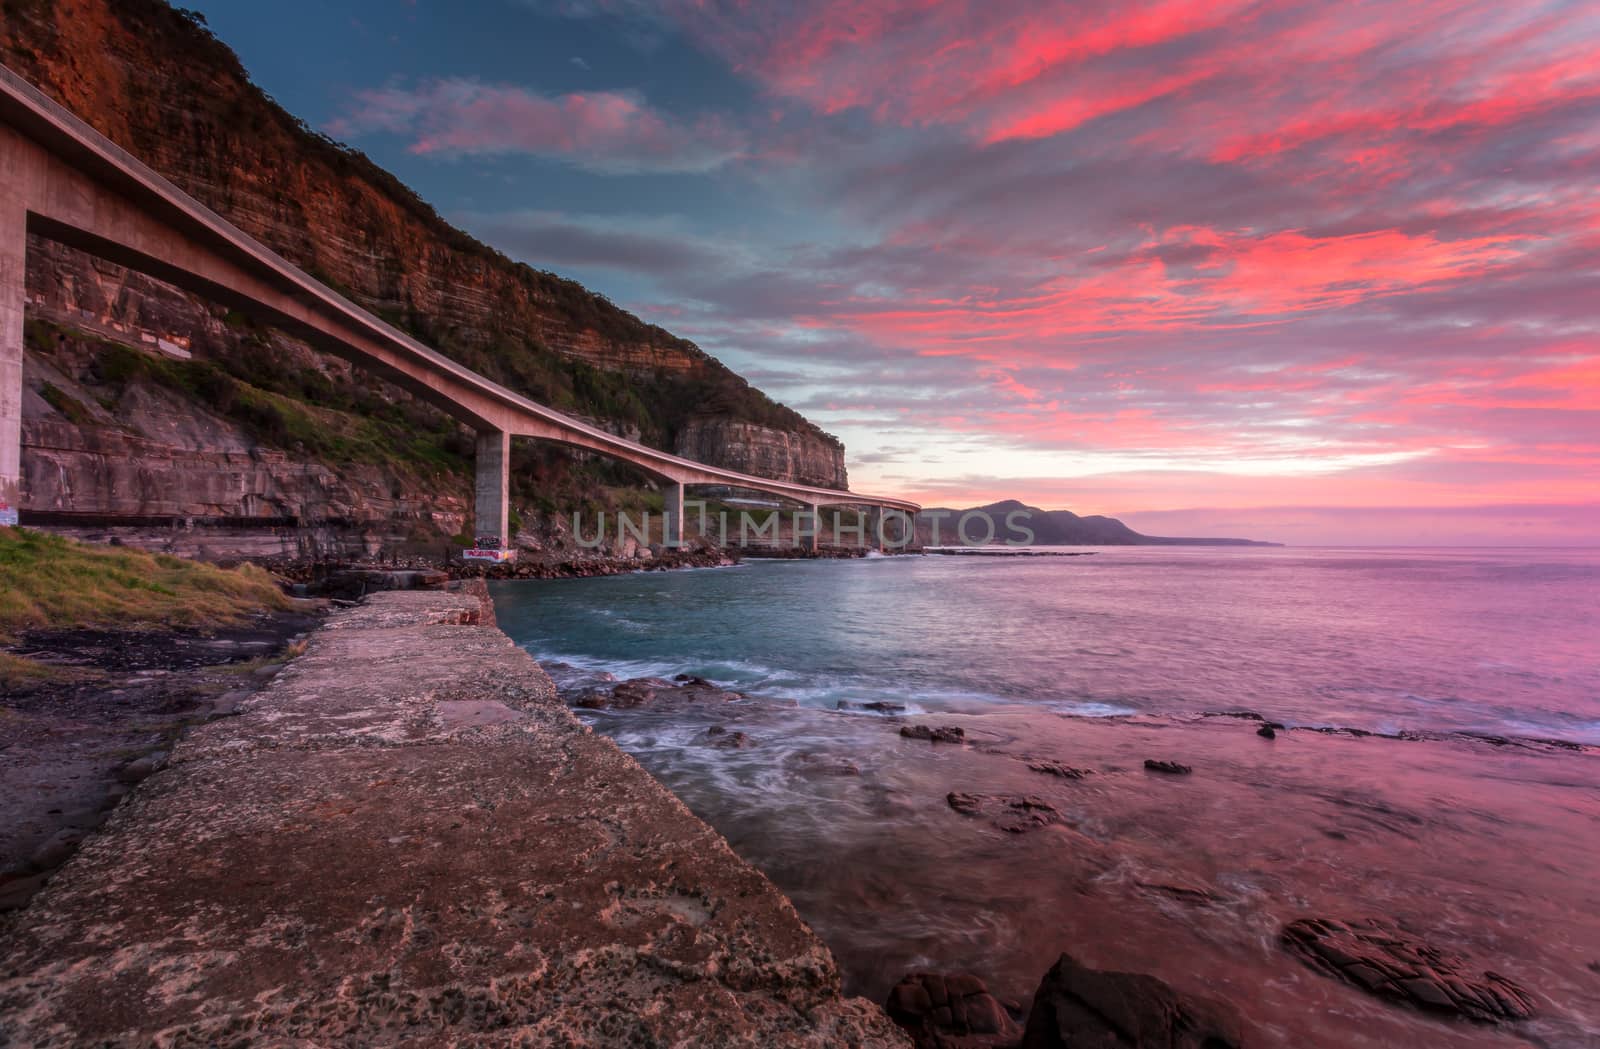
68, 405
57, 583
19, 670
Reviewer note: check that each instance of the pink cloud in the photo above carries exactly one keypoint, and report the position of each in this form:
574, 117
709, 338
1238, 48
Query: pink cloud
603, 130
1182, 231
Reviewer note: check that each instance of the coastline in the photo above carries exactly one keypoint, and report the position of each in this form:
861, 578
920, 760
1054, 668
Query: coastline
412, 717
404, 836
1039, 831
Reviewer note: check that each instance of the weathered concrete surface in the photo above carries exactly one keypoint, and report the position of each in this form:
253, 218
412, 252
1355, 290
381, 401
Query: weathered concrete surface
407, 840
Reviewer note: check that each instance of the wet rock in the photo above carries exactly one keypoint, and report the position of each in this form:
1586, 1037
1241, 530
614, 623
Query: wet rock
966, 804
1012, 813
1382, 959
692, 679
1267, 732
808, 763
1056, 768
1171, 768
654, 691
636, 692
942, 734
876, 706
725, 740
593, 699
950, 1011
1082, 1008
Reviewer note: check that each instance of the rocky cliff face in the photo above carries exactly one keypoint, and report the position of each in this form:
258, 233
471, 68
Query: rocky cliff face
755, 449
157, 83
127, 418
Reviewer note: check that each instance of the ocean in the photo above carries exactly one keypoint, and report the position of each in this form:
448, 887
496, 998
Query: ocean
1471, 814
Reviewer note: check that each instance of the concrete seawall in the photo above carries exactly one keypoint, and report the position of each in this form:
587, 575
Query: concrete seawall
406, 839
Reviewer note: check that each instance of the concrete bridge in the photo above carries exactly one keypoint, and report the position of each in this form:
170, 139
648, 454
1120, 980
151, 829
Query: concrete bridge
64, 181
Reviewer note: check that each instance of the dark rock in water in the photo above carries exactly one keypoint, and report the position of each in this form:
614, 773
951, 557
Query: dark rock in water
1381, 958
1056, 768
636, 692
942, 734
967, 804
808, 763
721, 737
692, 679
877, 706
593, 699
1172, 768
1012, 813
950, 1011
654, 691
1081, 1008
1267, 732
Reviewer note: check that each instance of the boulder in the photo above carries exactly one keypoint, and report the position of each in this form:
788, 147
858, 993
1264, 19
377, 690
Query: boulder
942, 734
877, 706
722, 738
1081, 1008
950, 1011
1382, 959
1056, 768
1171, 768
1012, 813
653, 691
636, 692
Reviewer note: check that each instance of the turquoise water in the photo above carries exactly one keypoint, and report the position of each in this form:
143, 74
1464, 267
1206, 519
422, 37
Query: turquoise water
1498, 641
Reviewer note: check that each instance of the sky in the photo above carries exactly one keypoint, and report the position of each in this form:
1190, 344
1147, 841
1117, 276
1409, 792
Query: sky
1311, 272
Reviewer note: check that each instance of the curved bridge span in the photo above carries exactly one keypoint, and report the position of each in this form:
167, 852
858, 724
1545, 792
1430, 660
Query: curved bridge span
62, 180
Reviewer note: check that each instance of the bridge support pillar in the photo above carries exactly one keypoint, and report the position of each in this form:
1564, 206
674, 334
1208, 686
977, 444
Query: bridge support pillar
492, 505
813, 542
907, 530
672, 514
13, 271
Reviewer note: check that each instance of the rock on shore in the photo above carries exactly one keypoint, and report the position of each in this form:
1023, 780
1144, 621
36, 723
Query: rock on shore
1081, 1008
951, 1011
1381, 958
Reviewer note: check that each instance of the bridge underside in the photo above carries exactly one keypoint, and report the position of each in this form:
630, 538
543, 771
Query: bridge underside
60, 180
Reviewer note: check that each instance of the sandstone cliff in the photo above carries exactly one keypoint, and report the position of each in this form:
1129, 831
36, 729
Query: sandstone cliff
156, 82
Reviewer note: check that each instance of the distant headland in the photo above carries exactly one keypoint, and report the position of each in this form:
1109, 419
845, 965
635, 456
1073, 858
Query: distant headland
1057, 528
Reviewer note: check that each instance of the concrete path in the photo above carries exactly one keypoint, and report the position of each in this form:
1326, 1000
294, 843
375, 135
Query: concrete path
407, 840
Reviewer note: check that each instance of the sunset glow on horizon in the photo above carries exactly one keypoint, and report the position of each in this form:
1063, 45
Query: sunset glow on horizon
1305, 272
